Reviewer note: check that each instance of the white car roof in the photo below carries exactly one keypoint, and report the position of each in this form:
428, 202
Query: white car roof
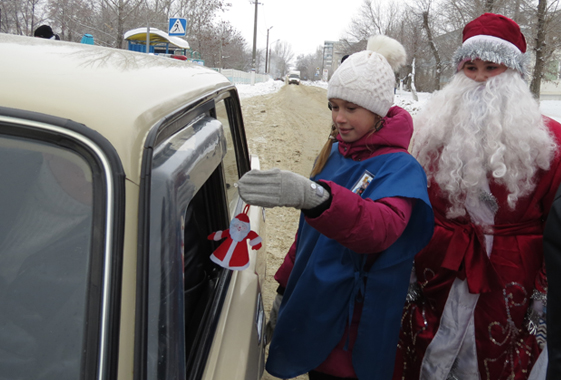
119, 93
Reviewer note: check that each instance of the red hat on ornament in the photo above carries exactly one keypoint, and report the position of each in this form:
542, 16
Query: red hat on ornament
243, 217
494, 38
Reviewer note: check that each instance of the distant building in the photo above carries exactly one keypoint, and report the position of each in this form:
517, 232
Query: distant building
333, 51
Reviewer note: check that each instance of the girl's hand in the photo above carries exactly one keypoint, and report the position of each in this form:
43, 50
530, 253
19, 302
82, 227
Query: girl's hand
280, 188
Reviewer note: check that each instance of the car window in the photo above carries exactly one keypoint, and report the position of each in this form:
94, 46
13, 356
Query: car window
46, 198
186, 201
229, 161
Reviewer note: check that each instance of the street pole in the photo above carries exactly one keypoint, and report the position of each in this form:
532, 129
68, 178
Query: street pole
220, 57
147, 38
147, 30
323, 59
254, 45
267, 52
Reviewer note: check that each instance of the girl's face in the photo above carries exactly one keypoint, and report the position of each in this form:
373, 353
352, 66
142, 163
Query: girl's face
352, 121
480, 71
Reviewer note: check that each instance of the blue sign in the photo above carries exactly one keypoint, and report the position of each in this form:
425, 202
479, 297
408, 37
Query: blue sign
177, 26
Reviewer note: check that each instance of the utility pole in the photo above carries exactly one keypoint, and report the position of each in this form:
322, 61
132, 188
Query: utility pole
267, 52
147, 30
221, 44
254, 44
323, 59
220, 57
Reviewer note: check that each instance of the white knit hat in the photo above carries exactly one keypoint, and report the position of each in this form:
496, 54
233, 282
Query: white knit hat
367, 78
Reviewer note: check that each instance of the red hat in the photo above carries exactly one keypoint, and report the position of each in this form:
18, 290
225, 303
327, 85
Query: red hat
495, 38
243, 217
490, 24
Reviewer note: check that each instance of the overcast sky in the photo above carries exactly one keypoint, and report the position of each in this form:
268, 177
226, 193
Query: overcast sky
304, 24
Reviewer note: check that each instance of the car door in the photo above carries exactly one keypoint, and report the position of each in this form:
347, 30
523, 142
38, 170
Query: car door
190, 165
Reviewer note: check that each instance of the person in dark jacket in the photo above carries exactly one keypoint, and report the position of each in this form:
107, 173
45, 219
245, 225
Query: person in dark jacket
365, 214
45, 31
552, 256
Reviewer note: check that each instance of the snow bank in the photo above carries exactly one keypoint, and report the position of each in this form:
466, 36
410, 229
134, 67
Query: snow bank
263, 88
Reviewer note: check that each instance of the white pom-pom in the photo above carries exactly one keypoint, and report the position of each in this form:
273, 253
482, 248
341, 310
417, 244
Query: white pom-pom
389, 48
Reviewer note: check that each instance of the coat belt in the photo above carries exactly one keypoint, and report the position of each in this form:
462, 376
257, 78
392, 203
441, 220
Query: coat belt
466, 254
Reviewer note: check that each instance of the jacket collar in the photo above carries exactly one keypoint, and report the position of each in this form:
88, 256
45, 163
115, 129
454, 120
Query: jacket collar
394, 135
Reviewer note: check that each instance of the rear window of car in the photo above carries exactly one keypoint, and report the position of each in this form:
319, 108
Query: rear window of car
46, 198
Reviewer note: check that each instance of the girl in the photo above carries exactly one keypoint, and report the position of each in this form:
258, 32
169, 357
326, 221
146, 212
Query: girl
365, 213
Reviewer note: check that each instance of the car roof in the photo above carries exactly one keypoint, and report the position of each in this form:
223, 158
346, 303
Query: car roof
119, 93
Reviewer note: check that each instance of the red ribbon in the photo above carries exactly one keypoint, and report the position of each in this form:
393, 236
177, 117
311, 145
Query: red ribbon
466, 253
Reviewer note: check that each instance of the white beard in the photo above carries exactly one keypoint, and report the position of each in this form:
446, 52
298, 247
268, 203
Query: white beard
238, 230
471, 131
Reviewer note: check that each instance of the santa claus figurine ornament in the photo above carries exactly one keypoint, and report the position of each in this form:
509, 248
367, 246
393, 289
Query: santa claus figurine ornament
233, 253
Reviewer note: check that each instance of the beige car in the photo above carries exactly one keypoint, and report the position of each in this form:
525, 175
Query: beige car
115, 166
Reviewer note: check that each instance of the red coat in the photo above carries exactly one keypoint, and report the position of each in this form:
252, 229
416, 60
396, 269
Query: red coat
505, 281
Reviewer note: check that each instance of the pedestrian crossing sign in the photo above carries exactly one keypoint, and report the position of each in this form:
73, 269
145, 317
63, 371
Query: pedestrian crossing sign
177, 26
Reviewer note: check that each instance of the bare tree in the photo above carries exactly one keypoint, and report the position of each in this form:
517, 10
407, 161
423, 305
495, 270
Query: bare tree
222, 46
309, 65
281, 57
374, 17
547, 44
488, 6
539, 49
414, 44
22, 16
423, 8
201, 15
119, 16
236, 51
71, 16
457, 13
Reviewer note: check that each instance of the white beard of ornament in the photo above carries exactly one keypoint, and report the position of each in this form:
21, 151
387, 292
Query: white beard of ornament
238, 229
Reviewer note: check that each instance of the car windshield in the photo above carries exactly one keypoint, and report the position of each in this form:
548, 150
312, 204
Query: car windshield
293, 76
45, 239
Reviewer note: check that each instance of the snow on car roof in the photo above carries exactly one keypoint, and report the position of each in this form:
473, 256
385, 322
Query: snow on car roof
119, 93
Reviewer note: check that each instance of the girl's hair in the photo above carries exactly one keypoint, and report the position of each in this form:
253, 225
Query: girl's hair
321, 160
323, 156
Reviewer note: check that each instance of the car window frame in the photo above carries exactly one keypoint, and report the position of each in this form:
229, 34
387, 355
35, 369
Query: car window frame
100, 356
167, 127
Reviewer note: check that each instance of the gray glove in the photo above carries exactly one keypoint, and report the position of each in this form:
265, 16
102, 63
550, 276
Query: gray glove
271, 324
275, 187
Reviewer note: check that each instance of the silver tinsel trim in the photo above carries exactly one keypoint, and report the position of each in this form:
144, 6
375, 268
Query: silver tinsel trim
537, 326
532, 321
493, 52
489, 200
452, 374
414, 292
539, 296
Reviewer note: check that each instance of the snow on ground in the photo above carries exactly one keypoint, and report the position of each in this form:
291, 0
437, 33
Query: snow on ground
263, 88
404, 99
551, 108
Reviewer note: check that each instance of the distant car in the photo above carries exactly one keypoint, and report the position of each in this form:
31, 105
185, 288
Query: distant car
293, 77
115, 168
